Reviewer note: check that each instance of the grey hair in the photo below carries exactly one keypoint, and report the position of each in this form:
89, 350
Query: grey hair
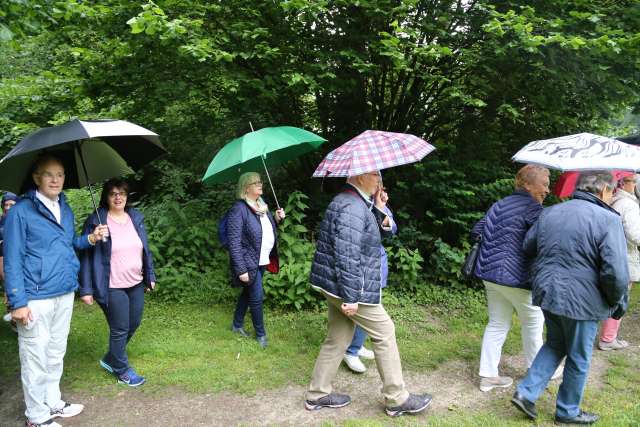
596, 181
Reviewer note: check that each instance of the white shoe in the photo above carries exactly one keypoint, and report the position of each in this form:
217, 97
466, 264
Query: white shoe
48, 423
489, 383
365, 353
354, 363
558, 373
68, 410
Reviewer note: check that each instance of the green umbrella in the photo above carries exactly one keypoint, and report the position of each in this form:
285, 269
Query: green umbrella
264, 148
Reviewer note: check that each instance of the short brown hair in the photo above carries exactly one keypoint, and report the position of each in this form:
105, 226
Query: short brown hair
528, 174
110, 185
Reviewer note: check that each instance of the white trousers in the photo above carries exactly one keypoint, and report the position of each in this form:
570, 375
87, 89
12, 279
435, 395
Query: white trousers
43, 344
501, 301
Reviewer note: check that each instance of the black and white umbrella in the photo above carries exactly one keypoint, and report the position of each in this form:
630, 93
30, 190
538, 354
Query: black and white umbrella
582, 151
91, 151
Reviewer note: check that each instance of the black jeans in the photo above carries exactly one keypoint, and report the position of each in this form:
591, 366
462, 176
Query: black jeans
124, 314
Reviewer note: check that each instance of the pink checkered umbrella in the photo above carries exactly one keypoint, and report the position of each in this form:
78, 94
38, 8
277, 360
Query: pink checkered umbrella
373, 150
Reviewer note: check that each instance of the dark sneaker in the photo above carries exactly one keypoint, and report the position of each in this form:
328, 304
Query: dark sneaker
581, 418
130, 378
106, 366
68, 410
239, 331
262, 341
332, 400
414, 404
48, 423
525, 406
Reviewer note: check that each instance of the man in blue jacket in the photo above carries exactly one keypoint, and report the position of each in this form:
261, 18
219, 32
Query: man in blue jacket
579, 277
41, 272
346, 269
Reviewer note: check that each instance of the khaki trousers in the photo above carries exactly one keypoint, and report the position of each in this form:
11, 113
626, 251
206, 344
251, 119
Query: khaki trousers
380, 328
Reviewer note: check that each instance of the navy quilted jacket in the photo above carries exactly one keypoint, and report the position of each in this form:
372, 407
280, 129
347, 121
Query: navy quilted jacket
244, 233
347, 259
501, 259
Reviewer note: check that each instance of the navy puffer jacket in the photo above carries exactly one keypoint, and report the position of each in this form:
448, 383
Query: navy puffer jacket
347, 259
501, 259
580, 269
244, 233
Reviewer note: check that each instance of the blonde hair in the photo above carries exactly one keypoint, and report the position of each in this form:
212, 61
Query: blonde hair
528, 174
243, 182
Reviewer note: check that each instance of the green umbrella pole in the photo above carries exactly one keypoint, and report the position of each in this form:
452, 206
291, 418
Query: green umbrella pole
270, 184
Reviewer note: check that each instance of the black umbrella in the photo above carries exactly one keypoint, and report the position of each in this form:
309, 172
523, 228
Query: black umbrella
91, 151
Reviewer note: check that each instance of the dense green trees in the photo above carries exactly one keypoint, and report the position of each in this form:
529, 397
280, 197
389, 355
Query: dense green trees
476, 78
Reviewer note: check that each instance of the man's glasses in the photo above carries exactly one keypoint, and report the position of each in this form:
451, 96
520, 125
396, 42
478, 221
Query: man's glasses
50, 176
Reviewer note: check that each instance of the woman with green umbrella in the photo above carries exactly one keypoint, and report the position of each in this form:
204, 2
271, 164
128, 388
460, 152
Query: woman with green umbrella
251, 236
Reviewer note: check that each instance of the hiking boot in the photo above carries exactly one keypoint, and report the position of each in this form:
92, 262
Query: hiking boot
48, 423
332, 400
581, 418
354, 363
489, 383
616, 344
262, 341
365, 353
68, 410
106, 366
414, 404
130, 378
239, 331
525, 406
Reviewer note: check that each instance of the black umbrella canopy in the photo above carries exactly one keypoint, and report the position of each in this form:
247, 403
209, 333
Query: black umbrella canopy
103, 148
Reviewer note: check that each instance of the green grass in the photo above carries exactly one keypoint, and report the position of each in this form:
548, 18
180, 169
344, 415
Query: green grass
190, 348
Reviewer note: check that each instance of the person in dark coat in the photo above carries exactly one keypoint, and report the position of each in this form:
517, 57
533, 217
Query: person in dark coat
502, 266
251, 233
115, 273
579, 277
346, 270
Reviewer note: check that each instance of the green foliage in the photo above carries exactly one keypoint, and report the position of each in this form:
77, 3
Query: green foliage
81, 205
405, 266
290, 287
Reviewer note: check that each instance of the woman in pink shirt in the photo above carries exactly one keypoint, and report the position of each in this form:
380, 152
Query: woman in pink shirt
115, 273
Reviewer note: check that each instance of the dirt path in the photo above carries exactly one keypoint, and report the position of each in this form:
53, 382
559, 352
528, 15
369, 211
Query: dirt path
454, 386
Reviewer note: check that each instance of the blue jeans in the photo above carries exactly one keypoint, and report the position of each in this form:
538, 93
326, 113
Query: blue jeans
124, 314
251, 298
359, 336
565, 337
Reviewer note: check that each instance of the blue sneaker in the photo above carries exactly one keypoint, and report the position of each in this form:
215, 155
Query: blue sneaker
130, 378
106, 366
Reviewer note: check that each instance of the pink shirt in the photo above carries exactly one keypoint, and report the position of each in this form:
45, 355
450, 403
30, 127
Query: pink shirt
126, 254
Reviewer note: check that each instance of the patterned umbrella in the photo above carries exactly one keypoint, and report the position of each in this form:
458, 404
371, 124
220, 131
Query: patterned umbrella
373, 150
582, 151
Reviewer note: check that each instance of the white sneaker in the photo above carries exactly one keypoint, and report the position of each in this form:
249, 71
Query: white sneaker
489, 383
354, 363
365, 353
558, 373
48, 423
68, 410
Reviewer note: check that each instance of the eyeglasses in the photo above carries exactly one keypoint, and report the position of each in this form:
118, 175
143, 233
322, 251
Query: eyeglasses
51, 176
255, 183
115, 194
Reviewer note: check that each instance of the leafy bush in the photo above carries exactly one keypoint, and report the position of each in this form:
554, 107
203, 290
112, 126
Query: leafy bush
405, 266
290, 287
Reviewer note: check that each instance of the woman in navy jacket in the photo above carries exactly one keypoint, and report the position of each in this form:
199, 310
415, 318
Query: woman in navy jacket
503, 268
115, 273
251, 233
